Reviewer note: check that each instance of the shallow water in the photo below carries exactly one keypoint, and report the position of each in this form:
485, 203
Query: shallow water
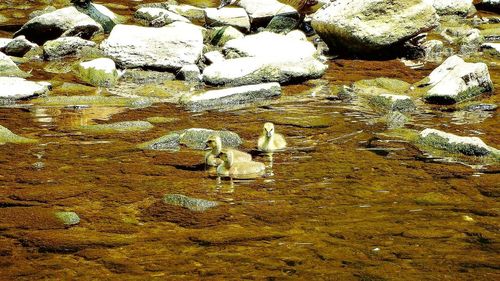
336, 205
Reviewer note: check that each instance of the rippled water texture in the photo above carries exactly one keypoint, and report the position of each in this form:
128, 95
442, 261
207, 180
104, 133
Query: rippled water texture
330, 208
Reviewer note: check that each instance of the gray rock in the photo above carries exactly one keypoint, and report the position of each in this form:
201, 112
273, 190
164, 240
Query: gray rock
193, 204
19, 46
102, 15
455, 81
10, 68
369, 27
19, 88
38, 13
65, 46
433, 50
165, 48
193, 138
68, 218
256, 70
391, 102
189, 73
224, 98
158, 17
472, 146
235, 17
471, 42
283, 23
118, 127
481, 107
63, 22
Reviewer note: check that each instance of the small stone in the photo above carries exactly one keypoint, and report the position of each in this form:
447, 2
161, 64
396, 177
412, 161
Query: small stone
193, 204
68, 218
19, 46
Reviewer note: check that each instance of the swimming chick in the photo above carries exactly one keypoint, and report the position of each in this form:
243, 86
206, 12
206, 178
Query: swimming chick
269, 141
212, 158
239, 170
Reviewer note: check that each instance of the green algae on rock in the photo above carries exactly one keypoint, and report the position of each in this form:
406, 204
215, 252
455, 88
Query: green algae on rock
64, 101
98, 72
68, 218
118, 127
7, 136
193, 204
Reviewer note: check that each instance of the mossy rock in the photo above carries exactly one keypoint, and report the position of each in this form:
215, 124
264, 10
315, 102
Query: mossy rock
118, 127
161, 119
64, 101
439, 142
68, 218
193, 204
7, 136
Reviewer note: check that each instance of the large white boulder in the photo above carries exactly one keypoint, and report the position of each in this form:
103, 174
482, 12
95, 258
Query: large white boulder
20, 88
456, 80
268, 44
255, 70
372, 26
235, 17
165, 48
63, 22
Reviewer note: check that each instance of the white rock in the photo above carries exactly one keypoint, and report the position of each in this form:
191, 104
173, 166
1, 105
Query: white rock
213, 57
231, 96
19, 88
189, 72
255, 70
65, 46
297, 35
453, 143
261, 11
268, 44
192, 13
98, 72
455, 80
235, 17
451, 7
63, 22
371, 26
164, 48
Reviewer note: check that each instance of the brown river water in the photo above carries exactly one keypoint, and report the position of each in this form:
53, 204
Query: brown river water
330, 208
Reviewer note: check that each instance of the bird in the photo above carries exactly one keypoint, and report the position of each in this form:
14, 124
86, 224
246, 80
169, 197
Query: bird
269, 141
239, 170
303, 7
212, 158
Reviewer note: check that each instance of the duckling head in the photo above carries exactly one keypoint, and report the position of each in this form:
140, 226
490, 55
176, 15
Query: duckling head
268, 129
227, 157
224, 3
213, 142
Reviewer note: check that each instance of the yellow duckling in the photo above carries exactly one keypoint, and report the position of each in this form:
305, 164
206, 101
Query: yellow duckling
269, 141
212, 158
239, 170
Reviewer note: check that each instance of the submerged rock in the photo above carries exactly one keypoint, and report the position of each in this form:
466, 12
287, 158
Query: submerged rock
101, 101
268, 44
369, 27
256, 70
193, 204
20, 88
455, 80
193, 138
235, 17
396, 119
118, 127
63, 22
9, 68
391, 102
98, 72
481, 107
68, 218
65, 46
472, 146
165, 48
7, 136
19, 46
225, 98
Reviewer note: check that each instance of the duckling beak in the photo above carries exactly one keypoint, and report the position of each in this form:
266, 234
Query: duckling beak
206, 147
268, 134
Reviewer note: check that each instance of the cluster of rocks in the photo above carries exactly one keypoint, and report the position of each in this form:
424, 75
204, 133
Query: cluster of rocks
251, 50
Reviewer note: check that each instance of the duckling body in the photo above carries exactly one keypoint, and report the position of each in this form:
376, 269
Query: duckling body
239, 170
212, 158
269, 141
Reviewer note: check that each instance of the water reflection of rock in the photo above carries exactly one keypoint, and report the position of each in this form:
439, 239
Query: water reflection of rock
75, 117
